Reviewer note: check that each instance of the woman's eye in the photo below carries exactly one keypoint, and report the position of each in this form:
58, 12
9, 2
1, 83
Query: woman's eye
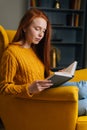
37, 29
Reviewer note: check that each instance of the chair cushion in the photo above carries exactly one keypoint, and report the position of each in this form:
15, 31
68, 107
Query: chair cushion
82, 123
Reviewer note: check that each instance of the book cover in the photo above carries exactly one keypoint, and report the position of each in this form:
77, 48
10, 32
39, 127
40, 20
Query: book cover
60, 77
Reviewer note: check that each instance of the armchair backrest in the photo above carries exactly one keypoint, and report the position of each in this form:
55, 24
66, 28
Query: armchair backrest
10, 34
6, 37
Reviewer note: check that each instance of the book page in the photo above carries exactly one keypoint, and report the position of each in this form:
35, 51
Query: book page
67, 74
71, 68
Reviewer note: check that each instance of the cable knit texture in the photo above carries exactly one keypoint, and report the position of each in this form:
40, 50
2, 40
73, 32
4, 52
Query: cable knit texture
19, 68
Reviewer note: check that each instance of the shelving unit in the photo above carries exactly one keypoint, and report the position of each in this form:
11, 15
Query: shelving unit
68, 29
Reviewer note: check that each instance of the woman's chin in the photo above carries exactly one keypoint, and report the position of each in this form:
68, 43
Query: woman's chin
35, 42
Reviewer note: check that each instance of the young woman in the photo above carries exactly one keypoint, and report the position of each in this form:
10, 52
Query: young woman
26, 62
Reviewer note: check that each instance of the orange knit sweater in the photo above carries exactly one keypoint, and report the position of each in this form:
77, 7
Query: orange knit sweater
19, 68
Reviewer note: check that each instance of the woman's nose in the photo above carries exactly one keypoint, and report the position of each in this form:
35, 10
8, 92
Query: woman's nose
41, 34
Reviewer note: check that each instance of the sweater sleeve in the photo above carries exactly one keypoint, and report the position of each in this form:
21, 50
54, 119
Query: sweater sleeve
8, 67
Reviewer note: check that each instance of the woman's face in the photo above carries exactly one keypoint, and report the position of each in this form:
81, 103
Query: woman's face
36, 30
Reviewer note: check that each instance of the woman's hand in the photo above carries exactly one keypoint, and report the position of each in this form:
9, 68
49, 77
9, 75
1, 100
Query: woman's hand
39, 85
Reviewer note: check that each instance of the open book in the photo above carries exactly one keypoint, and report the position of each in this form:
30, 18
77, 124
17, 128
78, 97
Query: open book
60, 77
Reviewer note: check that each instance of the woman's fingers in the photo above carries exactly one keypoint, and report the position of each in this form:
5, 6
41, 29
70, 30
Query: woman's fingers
41, 85
44, 83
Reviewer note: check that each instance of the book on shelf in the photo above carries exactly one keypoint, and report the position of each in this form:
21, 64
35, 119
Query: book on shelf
78, 6
74, 18
72, 4
60, 77
33, 3
71, 20
75, 4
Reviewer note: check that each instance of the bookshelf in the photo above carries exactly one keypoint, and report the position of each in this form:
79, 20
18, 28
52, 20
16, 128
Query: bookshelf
68, 29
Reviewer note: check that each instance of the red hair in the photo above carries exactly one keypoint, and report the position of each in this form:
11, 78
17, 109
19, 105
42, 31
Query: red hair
43, 48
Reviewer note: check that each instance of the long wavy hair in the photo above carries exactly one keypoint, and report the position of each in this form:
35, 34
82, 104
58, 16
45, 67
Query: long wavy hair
43, 48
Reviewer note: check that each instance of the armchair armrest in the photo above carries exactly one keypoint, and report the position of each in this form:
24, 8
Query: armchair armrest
68, 93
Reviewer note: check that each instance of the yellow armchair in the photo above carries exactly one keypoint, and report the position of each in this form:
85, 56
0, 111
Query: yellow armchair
52, 109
